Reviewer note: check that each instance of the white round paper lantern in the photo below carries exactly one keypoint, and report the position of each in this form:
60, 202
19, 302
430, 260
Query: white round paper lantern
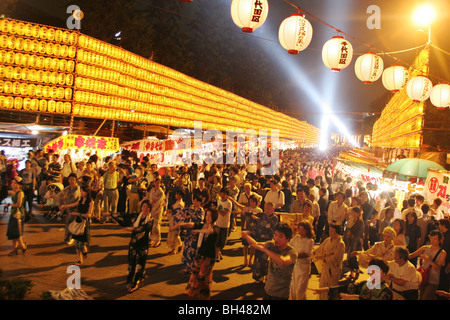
337, 53
295, 33
419, 88
440, 95
369, 67
395, 78
249, 14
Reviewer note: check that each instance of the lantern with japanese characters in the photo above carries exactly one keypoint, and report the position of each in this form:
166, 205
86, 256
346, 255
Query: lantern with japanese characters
395, 78
295, 33
369, 67
419, 88
440, 95
337, 53
249, 14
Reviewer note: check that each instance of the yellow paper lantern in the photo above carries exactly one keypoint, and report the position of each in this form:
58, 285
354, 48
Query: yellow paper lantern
34, 106
27, 104
9, 102
18, 103
51, 106
67, 107
59, 107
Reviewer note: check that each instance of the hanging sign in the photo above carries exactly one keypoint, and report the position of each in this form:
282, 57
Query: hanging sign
437, 186
74, 141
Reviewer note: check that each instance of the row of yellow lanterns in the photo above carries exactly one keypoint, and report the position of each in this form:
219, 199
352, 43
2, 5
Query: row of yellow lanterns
395, 116
39, 76
39, 32
409, 141
168, 97
91, 60
382, 133
36, 105
49, 34
36, 62
32, 90
103, 112
113, 75
411, 125
295, 34
157, 104
36, 46
130, 82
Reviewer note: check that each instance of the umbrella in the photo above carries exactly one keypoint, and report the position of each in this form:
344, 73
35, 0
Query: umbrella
405, 169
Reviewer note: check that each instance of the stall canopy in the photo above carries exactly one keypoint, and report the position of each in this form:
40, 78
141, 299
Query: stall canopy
408, 168
358, 156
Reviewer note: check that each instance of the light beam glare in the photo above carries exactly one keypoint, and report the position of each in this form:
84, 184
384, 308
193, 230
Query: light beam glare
300, 77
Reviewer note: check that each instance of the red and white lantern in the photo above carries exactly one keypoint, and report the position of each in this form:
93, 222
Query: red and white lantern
395, 78
419, 88
295, 33
337, 53
440, 95
249, 14
369, 67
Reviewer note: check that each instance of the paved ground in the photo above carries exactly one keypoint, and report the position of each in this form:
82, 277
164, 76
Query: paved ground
104, 273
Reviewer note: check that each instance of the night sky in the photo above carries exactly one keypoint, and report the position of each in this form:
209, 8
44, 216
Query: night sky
201, 40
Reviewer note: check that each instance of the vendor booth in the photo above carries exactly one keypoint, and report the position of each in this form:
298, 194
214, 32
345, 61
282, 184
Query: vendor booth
161, 152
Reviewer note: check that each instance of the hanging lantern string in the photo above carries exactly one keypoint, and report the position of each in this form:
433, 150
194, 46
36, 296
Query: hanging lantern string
381, 52
312, 16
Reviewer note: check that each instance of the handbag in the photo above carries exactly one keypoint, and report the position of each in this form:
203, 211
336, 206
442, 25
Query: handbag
77, 226
426, 272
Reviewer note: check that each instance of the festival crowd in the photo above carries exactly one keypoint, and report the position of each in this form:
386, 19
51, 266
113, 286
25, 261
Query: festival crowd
305, 218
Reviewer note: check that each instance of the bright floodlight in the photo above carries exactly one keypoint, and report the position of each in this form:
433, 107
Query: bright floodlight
424, 15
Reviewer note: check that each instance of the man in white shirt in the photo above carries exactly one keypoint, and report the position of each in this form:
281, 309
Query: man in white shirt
244, 197
404, 276
315, 209
312, 188
275, 195
420, 199
337, 210
411, 207
435, 210
233, 192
